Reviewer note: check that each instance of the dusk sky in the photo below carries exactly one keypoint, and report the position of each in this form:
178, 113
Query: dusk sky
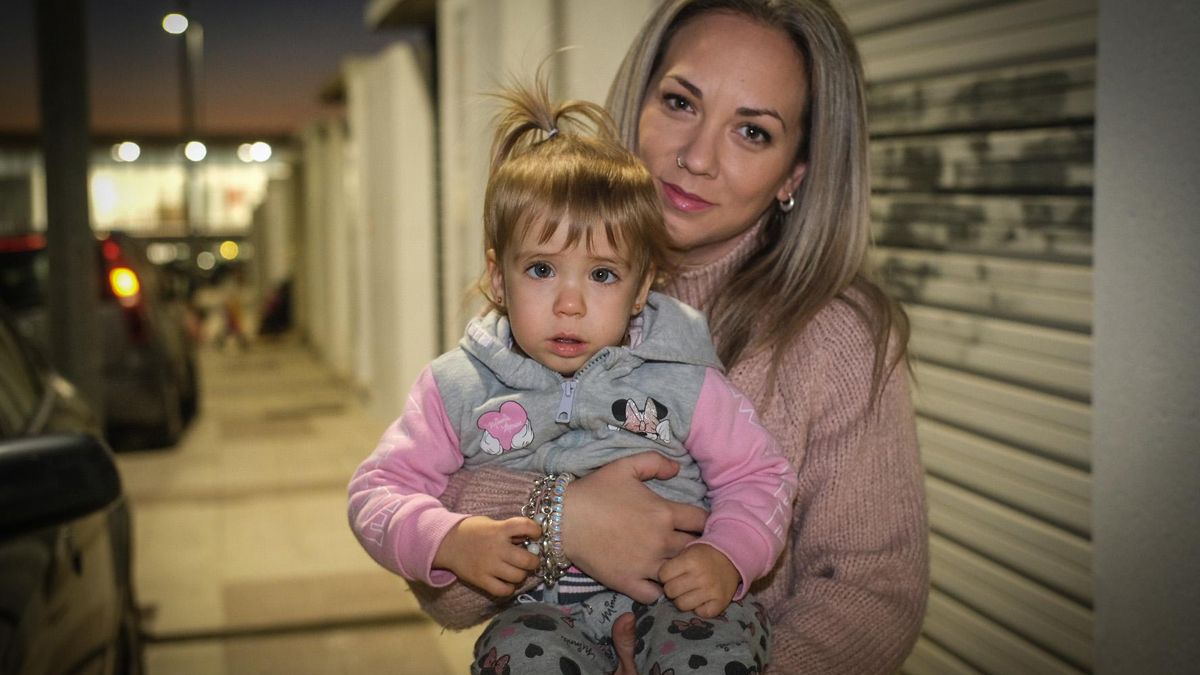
265, 62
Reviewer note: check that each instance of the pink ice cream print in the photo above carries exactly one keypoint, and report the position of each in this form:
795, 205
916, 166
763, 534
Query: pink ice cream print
505, 429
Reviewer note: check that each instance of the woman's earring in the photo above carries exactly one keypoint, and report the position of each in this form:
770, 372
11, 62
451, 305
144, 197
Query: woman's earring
786, 205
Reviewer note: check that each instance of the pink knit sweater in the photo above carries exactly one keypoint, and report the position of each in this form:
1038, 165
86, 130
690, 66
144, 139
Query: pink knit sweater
848, 594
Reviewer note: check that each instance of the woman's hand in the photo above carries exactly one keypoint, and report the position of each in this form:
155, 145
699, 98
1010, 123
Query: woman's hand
624, 642
619, 532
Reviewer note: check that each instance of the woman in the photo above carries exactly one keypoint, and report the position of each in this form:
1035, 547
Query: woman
751, 115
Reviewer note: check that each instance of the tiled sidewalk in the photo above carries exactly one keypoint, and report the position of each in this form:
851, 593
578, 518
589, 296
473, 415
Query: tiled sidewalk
244, 561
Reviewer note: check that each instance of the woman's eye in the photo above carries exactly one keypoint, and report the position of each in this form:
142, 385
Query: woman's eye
755, 134
540, 271
676, 102
604, 276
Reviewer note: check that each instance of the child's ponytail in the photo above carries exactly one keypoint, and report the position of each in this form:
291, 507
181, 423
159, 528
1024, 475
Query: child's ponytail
530, 118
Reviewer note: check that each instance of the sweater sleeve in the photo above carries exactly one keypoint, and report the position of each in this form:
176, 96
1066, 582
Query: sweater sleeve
392, 508
860, 536
750, 482
493, 492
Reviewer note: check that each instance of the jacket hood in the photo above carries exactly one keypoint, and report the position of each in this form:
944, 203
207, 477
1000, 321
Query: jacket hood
667, 330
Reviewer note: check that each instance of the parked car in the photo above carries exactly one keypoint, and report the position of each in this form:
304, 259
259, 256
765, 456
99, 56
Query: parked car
148, 351
67, 603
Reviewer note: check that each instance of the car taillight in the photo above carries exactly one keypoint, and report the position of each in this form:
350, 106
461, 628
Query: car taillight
22, 243
125, 284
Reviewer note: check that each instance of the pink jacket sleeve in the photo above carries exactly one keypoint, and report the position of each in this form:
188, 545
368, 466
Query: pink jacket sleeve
393, 510
750, 482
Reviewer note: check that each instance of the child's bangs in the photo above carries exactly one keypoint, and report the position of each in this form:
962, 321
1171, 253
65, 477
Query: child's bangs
589, 195
593, 189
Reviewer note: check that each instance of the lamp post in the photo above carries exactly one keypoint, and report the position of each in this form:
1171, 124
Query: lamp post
191, 54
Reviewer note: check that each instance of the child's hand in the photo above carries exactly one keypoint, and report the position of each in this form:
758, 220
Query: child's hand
701, 580
488, 554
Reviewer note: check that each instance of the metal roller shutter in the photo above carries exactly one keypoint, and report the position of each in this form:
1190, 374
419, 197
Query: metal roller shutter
982, 166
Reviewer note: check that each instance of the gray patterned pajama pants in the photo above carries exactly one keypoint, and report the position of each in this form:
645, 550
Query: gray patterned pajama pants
537, 637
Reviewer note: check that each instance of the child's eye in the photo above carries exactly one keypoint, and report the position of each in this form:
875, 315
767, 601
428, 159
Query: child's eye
677, 102
540, 270
755, 134
603, 275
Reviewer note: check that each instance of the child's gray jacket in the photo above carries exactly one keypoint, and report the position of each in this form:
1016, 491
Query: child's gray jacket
511, 410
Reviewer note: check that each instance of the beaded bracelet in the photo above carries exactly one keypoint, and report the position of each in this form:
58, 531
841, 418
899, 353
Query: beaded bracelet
545, 507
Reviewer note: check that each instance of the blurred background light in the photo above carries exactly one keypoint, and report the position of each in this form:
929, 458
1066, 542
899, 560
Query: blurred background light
160, 253
124, 282
105, 197
127, 151
174, 23
195, 151
260, 151
206, 260
229, 249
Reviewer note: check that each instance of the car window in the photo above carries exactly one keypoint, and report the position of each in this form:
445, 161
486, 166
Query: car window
20, 386
23, 279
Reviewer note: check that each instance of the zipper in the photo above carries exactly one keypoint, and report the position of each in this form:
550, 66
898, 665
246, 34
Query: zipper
566, 402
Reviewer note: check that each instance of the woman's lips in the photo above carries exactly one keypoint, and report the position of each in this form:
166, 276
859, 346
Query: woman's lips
683, 200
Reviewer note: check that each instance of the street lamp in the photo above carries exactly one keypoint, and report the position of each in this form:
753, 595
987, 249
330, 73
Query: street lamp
191, 54
126, 151
175, 23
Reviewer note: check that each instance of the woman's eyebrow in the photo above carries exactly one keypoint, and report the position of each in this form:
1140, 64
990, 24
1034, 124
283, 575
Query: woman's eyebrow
692, 89
759, 112
744, 112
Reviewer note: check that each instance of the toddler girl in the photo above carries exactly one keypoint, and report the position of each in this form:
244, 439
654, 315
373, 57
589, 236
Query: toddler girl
577, 363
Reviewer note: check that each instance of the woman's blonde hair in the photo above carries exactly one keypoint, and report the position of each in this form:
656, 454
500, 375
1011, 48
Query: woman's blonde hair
817, 252
565, 164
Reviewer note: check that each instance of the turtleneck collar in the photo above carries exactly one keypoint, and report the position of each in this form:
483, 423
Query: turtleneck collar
698, 285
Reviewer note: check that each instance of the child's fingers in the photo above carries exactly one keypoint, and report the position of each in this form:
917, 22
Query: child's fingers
520, 529
681, 565
521, 526
691, 600
672, 569
710, 609
510, 573
518, 557
496, 587
501, 579
681, 585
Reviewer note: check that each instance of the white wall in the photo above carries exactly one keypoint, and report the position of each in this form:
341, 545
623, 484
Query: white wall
336, 254
354, 73
1146, 433
397, 149
313, 280
598, 34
